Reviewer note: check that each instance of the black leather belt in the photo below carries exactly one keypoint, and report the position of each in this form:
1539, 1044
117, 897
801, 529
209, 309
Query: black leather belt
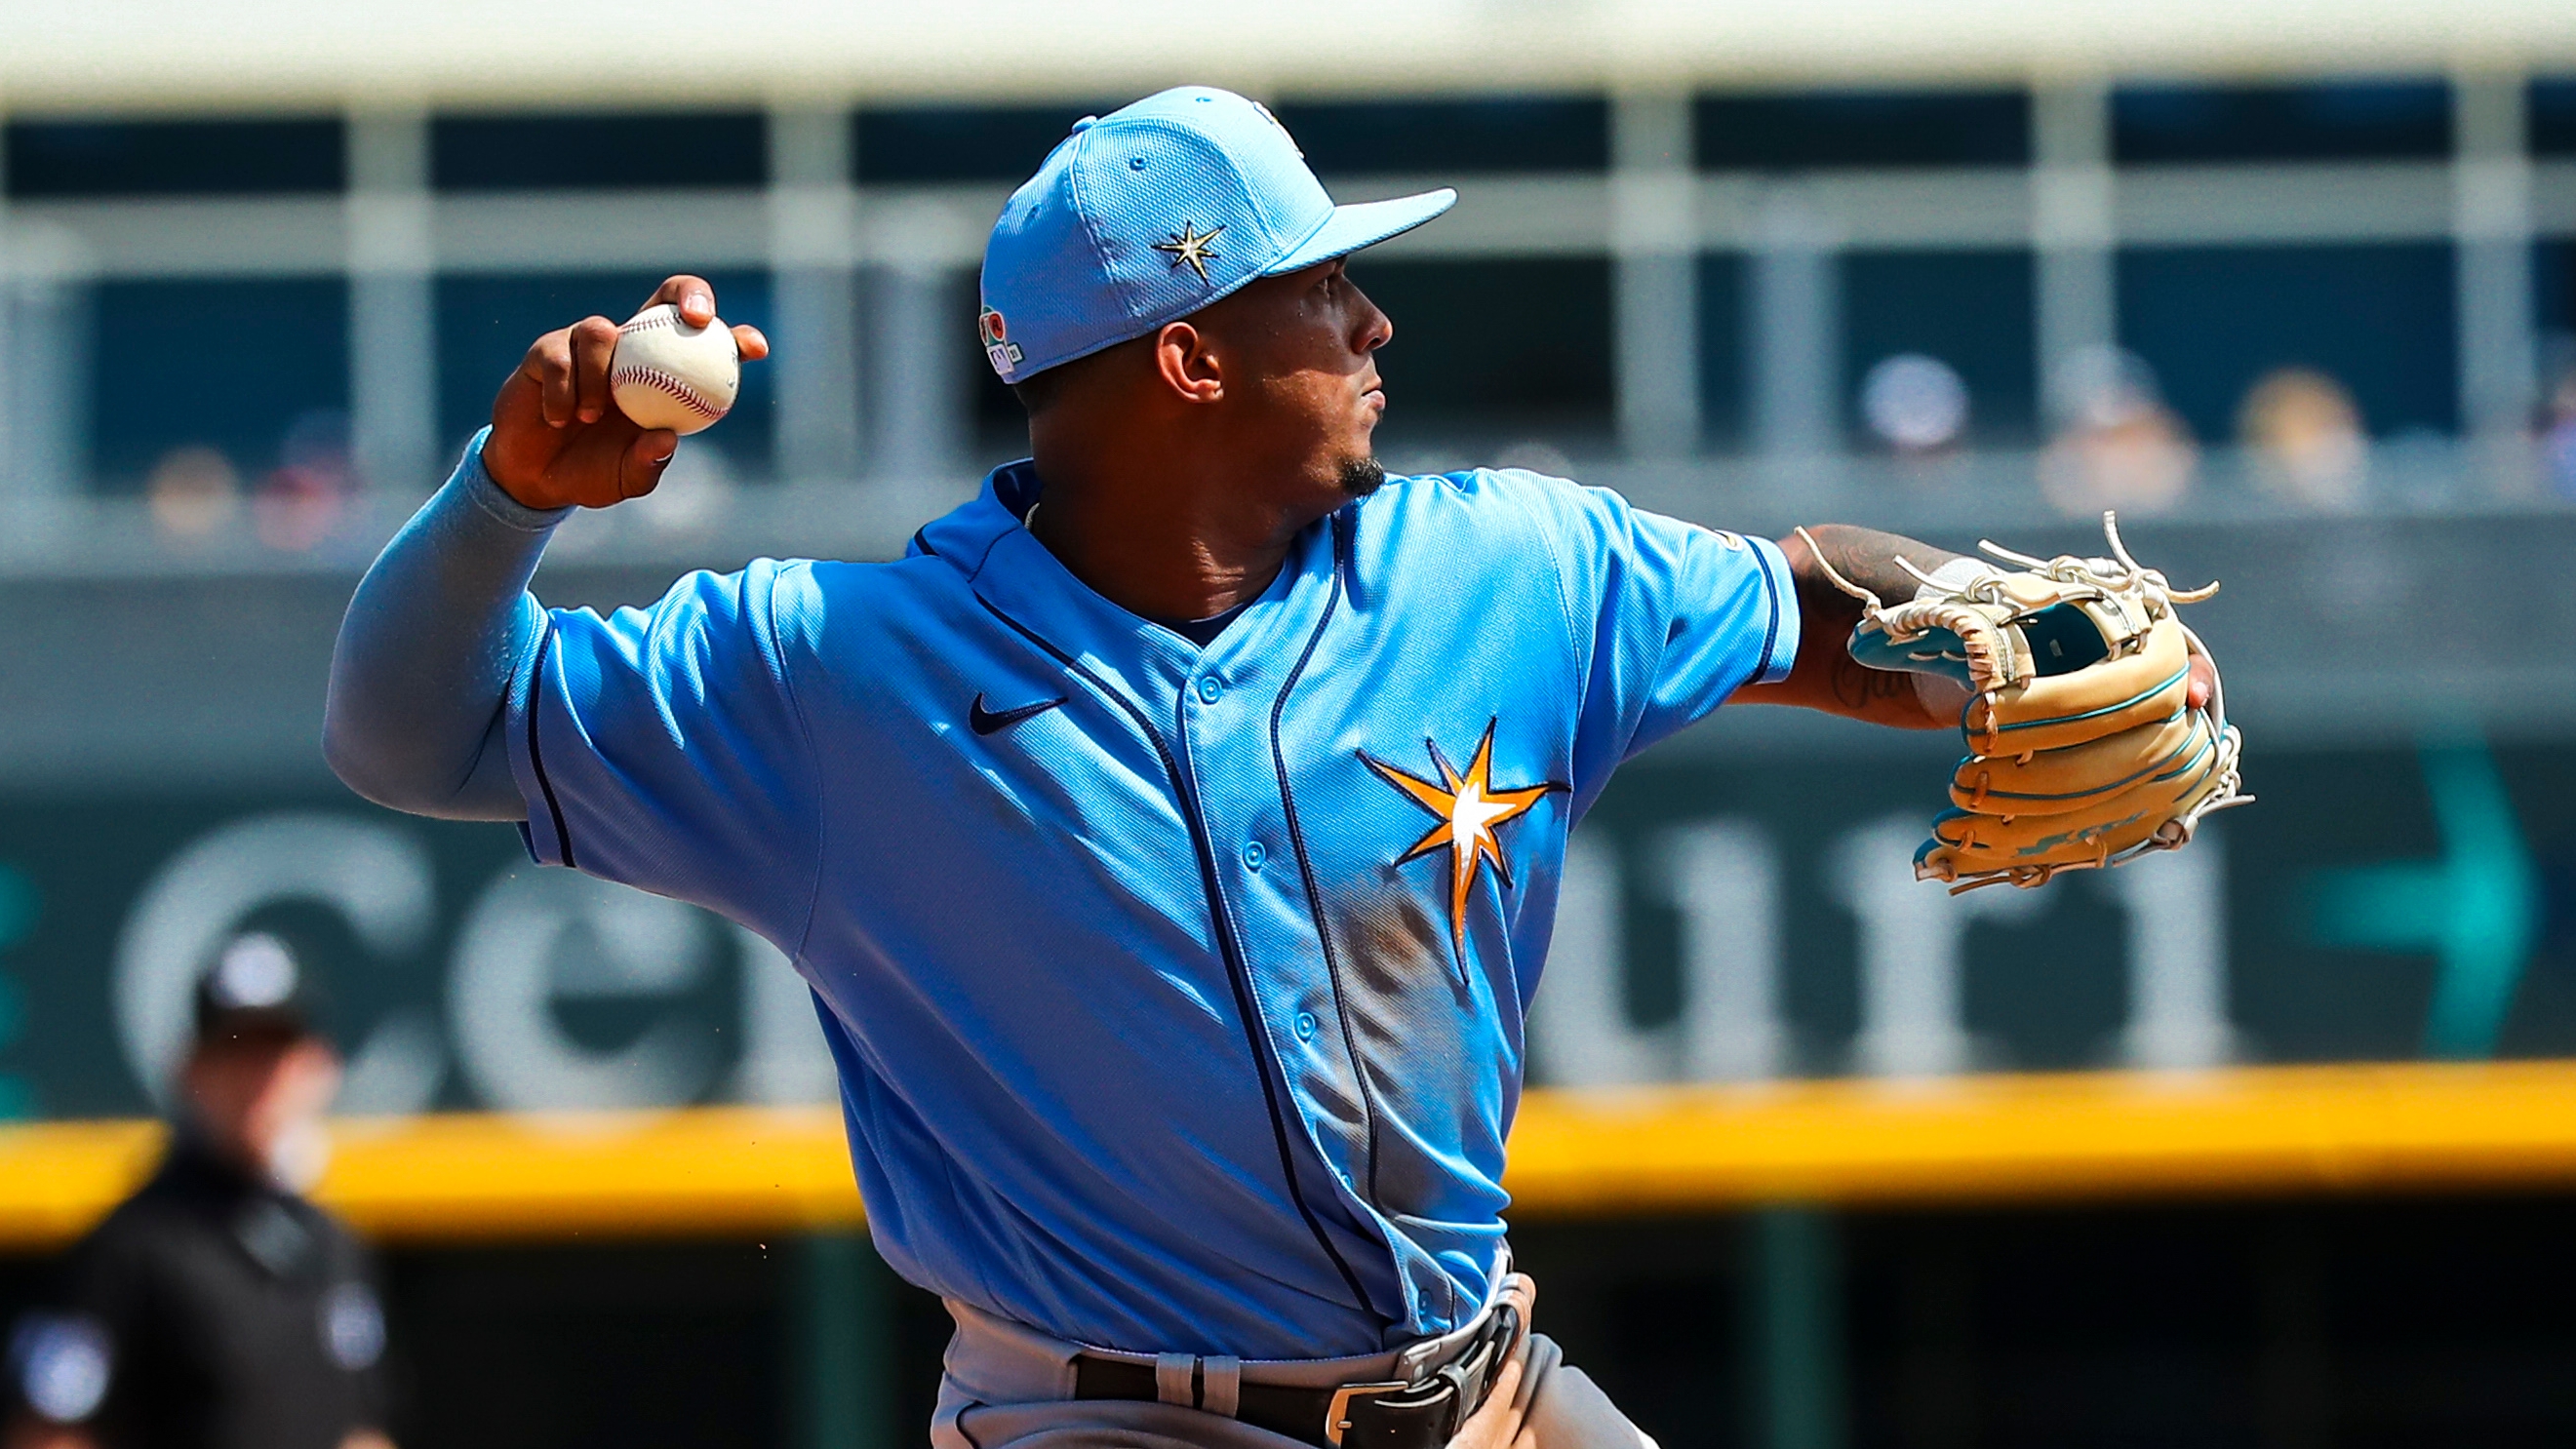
1422, 1414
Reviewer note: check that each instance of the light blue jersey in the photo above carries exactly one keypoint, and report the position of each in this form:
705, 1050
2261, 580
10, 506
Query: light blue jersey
1177, 992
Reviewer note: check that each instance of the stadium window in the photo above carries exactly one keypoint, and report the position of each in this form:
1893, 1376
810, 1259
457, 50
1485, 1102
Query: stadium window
638, 150
1723, 377
1827, 129
1968, 310
1503, 133
2214, 320
174, 158
485, 324
2326, 121
285, 350
2553, 116
1467, 370
2554, 296
2554, 286
2554, 276
916, 145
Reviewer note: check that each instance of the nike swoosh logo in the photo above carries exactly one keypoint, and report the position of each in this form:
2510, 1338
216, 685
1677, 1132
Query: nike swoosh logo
987, 721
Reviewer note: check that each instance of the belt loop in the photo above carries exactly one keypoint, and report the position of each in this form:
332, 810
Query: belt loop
1224, 1377
1172, 1375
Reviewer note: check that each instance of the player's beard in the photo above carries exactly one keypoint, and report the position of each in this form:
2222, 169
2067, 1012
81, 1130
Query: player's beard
1362, 476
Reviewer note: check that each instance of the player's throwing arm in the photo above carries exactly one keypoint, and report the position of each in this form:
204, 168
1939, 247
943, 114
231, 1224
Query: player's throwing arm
424, 659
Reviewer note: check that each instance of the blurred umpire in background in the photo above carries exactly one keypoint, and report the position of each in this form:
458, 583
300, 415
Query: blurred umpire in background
216, 1307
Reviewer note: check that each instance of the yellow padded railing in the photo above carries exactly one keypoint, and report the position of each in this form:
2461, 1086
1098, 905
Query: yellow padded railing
716, 1170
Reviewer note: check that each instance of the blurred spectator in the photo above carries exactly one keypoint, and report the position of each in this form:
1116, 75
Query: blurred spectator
1914, 403
216, 1308
300, 502
2558, 436
2121, 446
2303, 436
193, 492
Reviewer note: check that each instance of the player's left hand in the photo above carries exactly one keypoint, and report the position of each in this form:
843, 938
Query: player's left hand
2087, 746
2204, 682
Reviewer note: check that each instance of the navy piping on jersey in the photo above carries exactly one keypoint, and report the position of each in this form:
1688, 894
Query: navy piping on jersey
536, 754
1306, 866
1771, 634
1237, 974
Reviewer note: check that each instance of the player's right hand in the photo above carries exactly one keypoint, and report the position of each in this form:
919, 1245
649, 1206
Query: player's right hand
557, 439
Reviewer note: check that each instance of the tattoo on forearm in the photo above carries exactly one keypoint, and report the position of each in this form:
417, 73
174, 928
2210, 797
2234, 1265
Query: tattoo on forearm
1863, 690
1835, 681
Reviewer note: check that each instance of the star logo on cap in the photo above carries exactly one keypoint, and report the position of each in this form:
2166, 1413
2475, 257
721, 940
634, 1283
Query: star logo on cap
1191, 247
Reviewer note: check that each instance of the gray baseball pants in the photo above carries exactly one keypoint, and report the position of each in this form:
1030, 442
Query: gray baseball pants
1008, 1386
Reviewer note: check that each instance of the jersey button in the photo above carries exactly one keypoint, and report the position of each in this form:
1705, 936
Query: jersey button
1305, 1026
1254, 855
1211, 689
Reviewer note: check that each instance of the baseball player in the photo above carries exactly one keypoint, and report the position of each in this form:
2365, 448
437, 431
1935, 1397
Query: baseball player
1171, 837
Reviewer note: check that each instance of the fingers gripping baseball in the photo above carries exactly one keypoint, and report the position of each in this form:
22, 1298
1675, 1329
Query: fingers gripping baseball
594, 342
697, 303
558, 437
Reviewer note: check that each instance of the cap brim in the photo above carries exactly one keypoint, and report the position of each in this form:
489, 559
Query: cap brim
1362, 224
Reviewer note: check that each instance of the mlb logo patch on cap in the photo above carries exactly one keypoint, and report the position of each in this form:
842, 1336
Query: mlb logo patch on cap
999, 349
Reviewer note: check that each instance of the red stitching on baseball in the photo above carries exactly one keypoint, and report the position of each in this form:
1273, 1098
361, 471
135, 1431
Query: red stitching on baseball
680, 392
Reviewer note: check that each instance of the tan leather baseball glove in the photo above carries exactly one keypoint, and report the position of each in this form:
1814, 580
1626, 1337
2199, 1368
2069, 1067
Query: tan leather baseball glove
2082, 752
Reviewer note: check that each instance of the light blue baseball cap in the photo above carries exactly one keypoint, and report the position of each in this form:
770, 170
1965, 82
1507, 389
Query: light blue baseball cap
1149, 213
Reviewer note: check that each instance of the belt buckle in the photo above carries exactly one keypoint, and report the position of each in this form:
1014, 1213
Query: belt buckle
1337, 1414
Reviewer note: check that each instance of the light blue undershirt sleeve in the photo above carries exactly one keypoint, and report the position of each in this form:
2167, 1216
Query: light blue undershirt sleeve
428, 649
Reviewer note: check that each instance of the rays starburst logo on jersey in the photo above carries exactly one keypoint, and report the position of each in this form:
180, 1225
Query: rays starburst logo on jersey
1469, 810
1191, 247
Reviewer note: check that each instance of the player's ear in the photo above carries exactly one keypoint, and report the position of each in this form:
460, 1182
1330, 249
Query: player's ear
1185, 358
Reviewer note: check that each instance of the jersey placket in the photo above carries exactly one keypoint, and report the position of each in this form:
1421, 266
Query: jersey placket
1228, 721
1208, 711
1224, 723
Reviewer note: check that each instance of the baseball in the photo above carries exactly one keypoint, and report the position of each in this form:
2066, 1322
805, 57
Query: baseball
668, 374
